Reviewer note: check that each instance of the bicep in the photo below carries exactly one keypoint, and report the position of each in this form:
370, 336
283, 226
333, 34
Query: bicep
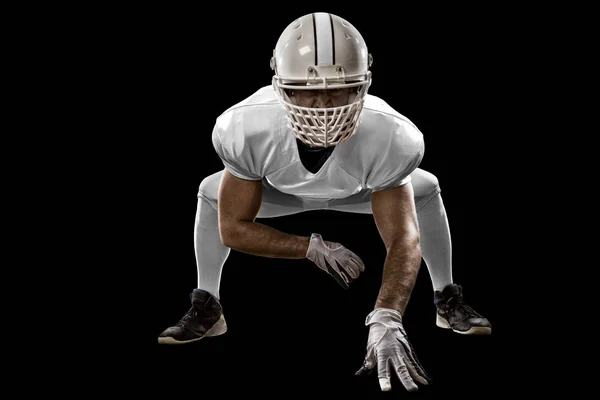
395, 215
239, 199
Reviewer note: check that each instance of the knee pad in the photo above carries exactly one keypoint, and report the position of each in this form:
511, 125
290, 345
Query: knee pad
426, 186
209, 188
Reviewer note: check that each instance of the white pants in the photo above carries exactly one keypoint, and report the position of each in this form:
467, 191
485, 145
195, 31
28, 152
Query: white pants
436, 246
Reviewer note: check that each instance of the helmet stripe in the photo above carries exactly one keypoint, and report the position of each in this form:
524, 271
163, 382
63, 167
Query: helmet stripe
332, 40
324, 39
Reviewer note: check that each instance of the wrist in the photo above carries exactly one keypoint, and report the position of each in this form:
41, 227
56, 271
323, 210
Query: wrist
390, 304
383, 315
310, 249
306, 246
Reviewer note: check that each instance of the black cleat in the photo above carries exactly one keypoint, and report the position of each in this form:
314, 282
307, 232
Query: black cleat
453, 313
203, 319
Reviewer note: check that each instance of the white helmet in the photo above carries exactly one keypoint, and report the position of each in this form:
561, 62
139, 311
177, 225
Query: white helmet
321, 51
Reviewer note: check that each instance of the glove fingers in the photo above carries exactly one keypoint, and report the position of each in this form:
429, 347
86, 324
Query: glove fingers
349, 257
359, 263
334, 270
324, 264
365, 369
417, 371
383, 373
412, 362
368, 363
403, 374
351, 266
351, 269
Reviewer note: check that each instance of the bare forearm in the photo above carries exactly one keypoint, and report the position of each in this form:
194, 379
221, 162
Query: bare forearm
400, 272
261, 240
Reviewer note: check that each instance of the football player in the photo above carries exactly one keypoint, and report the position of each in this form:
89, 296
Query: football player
315, 140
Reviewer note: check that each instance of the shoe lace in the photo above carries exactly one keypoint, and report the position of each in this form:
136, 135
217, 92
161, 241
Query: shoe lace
190, 314
459, 304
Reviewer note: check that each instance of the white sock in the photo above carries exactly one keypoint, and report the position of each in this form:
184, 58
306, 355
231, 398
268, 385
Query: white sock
436, 243
211, 254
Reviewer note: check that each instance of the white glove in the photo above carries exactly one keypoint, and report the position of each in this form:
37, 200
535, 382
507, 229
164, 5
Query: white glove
388, 347
334, 259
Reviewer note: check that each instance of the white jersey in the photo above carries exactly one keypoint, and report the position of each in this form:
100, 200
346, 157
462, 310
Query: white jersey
254, 141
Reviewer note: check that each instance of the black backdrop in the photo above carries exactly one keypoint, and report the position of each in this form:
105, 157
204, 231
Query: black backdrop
291, 328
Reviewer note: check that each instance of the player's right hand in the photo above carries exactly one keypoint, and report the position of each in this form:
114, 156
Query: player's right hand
335, 259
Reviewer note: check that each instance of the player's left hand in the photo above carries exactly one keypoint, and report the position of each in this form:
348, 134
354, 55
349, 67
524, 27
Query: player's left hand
388, 348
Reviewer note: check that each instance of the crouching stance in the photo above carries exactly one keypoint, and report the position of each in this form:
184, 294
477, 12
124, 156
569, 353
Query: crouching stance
315, 140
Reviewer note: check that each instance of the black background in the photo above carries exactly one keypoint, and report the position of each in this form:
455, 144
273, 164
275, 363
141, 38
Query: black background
291, 328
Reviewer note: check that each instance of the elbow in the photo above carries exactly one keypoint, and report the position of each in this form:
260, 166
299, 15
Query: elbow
227, 241
227, 234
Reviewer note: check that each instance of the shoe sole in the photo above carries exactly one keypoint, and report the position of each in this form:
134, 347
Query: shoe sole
219, 328
475, 330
